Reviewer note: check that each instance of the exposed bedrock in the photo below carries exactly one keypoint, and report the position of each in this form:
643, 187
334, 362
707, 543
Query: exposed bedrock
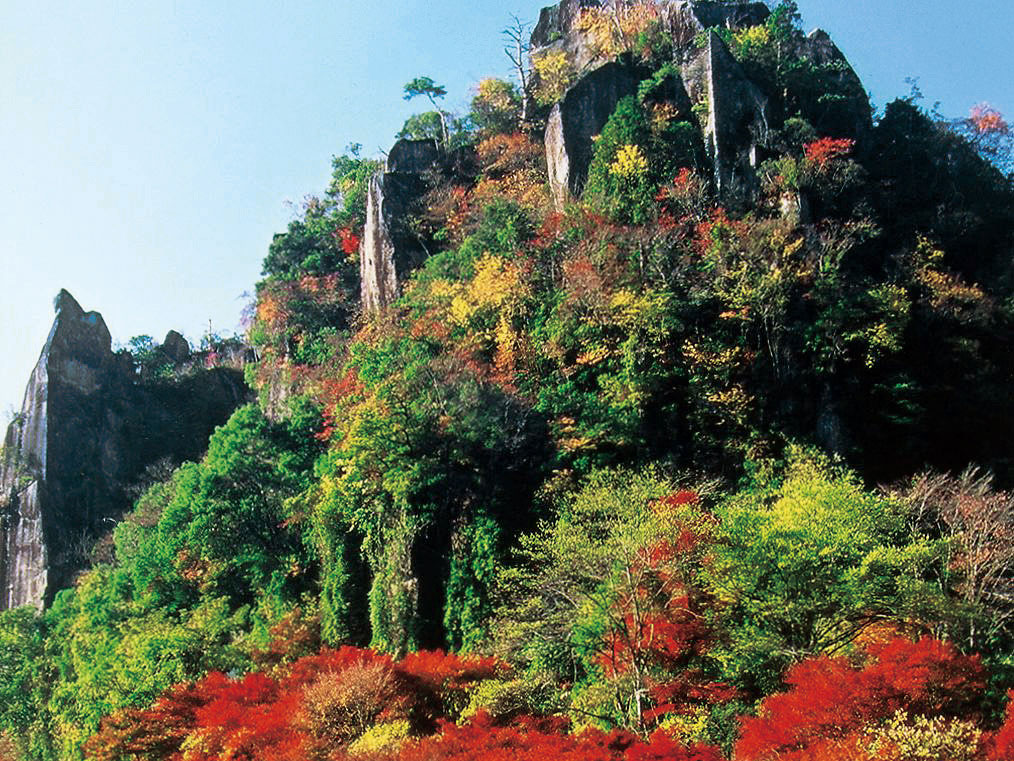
88, 428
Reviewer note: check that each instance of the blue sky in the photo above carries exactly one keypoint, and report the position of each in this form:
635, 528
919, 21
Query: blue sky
150, 149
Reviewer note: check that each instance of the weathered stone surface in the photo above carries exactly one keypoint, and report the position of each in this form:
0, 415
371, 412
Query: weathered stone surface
851, 114
87, 429
739, 120
558, 28
176, 347
378, 277
412, 156
578, 118
711, 13
390, 248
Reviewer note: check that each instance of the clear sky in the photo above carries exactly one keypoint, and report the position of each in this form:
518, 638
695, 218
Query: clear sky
150, 149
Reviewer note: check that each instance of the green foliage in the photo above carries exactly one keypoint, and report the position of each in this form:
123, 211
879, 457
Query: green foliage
421, 457
428, 125
634, 154
312, 245
862, 306
496, 107
150, 363
593, 584
25, 681
807, 562
202, 563
624, 187
432, 92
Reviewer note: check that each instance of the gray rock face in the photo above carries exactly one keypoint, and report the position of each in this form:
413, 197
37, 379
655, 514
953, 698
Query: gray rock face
390, 248
87, 429
852, 107
577, 119
558, 28
412, 157
738, 122
175, 347
709, 13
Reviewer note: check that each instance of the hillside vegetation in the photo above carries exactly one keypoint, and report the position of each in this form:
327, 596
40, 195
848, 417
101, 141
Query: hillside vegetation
656, 475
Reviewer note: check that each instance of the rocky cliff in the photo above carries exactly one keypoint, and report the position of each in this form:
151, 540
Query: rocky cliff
88, 428
735, 114
390, 248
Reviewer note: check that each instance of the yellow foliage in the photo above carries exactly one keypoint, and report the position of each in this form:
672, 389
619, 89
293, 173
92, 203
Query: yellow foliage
497, 293
629, 163
443, 291
525, 187
751, 38
662, 115
948, 291
555, 75
593, 356
712, 361
919, 738
735, 399
496, 93
614, 28
498, 284
270, 310
381, 738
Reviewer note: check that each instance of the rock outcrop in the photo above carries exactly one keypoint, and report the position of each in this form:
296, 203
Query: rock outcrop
578, 118
87, 429
390, 248
736, 115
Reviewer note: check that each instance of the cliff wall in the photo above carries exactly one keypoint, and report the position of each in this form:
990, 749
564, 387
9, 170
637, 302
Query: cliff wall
87, 429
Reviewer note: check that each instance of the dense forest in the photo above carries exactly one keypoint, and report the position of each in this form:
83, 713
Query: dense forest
666, 471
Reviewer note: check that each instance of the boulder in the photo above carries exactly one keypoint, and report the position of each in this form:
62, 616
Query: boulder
176, 347
412, 156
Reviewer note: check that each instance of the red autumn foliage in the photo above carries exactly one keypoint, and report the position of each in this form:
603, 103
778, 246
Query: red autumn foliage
823, 151
155, 732
681, 498
660, 634
349, 241
310, 709
248, 718
500, 155
438, 671
332, 391
985, 119
1001, 746
717, 231
686, 200
829, 698
526, 740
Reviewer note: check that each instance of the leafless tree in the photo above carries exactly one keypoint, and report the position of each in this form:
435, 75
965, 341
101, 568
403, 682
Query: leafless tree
517, 39
979, 524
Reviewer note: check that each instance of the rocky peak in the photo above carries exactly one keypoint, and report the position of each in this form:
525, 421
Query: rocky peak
390, 248
88, 427
737, 116
558, 28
